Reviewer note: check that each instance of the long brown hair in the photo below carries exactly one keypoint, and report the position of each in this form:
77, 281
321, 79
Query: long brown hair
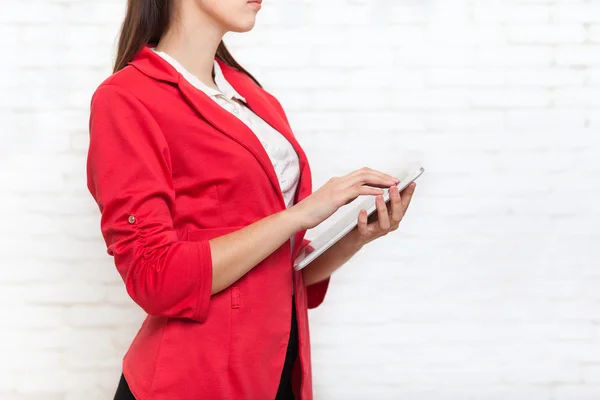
145, 22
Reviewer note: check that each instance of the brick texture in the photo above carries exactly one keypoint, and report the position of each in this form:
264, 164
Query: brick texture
490, 289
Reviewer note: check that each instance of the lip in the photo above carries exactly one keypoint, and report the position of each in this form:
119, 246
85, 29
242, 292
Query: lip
256, 3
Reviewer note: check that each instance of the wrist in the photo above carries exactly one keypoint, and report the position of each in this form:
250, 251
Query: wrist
292, 219
353, 241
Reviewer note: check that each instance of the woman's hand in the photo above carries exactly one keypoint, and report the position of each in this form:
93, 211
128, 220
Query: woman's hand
379, 224
337, 192
387, 218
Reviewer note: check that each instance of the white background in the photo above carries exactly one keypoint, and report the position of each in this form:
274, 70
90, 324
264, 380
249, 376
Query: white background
490, 289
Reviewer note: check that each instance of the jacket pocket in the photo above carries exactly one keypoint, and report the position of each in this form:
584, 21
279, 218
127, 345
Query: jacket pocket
211, 233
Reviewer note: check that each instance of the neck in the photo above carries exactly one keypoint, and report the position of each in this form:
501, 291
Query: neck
193, 40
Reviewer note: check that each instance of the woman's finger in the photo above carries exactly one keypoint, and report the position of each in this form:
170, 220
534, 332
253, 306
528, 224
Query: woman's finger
363, 228
367, 190
353, 192
374, 172
366, 178
407, 195
382, 214
396, 206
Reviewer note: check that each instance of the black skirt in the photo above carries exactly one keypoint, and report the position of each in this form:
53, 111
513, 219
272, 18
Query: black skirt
285, 384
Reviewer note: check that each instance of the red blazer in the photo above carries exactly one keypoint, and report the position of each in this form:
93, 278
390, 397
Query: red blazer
170, 169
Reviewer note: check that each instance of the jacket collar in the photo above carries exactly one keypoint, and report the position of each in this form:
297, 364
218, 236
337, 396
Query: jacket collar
154, 66
225, 89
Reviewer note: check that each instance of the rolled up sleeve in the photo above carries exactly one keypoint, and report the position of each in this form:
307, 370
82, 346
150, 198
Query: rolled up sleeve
129, 175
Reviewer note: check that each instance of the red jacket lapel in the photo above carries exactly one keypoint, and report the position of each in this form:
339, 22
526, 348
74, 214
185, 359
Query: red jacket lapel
154, 66
258, 101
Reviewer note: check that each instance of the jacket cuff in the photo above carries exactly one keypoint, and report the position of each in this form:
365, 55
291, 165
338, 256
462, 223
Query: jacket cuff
202, 274
315, 293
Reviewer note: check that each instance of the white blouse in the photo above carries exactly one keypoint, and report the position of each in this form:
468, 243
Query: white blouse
283, 156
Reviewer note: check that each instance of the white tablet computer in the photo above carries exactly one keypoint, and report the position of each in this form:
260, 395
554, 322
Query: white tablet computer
349, 220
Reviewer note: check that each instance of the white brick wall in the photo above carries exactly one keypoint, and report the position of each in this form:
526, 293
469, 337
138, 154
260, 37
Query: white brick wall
491, 289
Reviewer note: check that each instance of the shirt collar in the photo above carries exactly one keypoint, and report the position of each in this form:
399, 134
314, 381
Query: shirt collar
224, 86
225, 89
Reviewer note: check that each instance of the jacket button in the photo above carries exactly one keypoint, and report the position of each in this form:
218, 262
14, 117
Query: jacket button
131, 219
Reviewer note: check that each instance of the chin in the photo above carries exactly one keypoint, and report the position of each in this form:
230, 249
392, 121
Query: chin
241, 21
243, 26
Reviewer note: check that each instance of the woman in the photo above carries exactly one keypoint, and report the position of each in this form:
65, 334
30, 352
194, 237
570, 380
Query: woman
205, 197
